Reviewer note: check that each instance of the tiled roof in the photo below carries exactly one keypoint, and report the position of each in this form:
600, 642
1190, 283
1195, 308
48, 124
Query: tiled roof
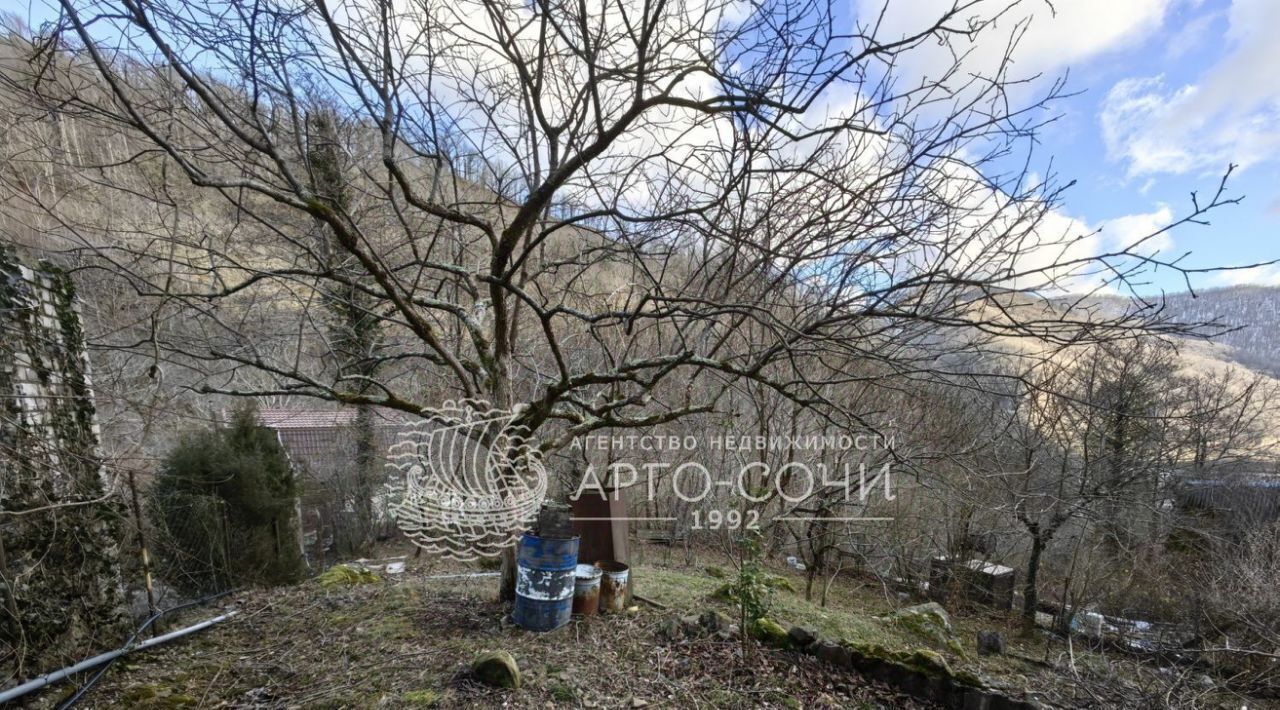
318, 419
322, 441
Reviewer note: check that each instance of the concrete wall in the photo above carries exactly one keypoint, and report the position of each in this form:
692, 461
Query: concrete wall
60, 582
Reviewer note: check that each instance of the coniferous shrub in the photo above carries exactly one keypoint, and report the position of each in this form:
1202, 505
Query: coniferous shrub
224, 505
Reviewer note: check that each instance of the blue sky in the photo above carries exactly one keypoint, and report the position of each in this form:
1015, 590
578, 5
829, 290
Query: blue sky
1171, 92
1129, 143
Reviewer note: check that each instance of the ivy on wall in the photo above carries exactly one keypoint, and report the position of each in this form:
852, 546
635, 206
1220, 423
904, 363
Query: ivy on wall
59, 562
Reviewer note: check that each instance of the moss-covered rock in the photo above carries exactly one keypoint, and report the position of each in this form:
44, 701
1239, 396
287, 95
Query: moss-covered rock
348, 575
922, 660
927, 661
928, 621
931, 614
716, 572
970, 679
497, 668
770, 632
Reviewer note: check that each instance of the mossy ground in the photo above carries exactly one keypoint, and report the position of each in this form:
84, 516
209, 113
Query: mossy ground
406, 641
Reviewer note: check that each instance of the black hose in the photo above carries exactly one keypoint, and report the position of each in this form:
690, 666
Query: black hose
79, 694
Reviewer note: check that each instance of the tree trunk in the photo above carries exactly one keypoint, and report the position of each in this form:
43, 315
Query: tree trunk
365, 480
507, 591
1030, 597
500, 375
144, 553
355, 332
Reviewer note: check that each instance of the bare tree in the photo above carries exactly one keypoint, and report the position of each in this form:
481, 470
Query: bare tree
597, 216
1088, 442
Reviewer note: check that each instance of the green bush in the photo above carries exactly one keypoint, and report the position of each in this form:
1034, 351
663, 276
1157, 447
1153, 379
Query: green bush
224, 506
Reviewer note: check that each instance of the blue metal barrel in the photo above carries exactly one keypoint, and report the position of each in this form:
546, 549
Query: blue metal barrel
544, 582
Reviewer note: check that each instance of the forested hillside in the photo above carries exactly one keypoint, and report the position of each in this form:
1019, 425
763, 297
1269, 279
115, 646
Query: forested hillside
1252, 313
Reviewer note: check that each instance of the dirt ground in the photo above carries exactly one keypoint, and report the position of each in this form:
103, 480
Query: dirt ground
407, 639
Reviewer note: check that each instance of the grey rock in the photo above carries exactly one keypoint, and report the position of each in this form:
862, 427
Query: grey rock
990, 643
832, 653
713, 621
976, 700
674, 628
931, 612
801, 636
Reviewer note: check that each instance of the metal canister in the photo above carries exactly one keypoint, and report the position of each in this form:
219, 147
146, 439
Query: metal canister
613, 586
586, 590
544, 582
554, 521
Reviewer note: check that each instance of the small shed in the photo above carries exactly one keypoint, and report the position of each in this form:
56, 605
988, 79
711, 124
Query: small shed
321, 445
978, 581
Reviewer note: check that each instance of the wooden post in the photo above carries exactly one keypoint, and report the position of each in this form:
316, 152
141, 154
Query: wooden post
142, 546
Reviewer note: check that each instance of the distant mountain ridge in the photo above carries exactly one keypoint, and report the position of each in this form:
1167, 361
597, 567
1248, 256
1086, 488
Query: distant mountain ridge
1254, 312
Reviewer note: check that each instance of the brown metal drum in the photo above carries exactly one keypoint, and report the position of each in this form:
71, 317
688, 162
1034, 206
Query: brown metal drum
586, 590
613, 586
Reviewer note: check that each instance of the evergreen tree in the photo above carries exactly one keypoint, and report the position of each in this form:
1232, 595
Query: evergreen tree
226, 499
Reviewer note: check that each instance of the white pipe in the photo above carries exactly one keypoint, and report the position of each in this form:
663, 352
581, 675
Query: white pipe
51, 678
467, 576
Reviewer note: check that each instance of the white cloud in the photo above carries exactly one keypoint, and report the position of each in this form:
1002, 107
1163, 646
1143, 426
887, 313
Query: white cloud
1138, 232
1058, 34
1231, 114
1056, 252
1074, 243
1256, 276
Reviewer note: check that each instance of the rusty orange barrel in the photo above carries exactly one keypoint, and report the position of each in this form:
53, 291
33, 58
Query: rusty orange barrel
586, 590
613, 586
